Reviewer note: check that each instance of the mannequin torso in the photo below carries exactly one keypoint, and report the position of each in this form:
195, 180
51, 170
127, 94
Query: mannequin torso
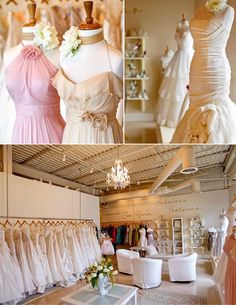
10, 55
92, 59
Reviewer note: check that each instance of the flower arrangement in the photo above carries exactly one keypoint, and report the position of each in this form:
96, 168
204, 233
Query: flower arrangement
45, 36
99, 271
71, 42
216, 6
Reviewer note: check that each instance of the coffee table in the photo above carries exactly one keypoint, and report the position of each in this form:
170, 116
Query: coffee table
117, 295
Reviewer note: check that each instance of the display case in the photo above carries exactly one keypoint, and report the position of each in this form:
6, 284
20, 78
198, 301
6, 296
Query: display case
197, 238
177, 235
136, 71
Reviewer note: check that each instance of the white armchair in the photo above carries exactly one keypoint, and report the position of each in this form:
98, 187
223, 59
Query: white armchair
183, 269
124, 258
146, 272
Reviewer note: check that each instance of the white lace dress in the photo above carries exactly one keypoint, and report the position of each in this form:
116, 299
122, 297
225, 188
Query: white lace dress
211, 115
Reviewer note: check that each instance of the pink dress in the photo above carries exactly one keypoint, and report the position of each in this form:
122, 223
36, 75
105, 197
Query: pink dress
230, 278
28, 80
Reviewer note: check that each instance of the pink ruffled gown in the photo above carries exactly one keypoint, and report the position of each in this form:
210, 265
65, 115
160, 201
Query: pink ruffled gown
28, 80
230, 278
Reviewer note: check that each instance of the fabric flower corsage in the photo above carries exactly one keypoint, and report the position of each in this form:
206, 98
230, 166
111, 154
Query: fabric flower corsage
31, 52
216, 6
45, 36
71, 42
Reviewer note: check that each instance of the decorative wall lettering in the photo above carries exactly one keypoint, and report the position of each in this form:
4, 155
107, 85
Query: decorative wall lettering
133, 10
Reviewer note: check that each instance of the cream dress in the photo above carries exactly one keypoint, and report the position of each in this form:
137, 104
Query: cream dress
211, 115
91, 108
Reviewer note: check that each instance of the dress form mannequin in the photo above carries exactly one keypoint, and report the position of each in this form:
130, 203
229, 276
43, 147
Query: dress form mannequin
143, 240
90, 83
92, 59
210, 117
28, 75
173, 93
230, 277
221, 234
27, 39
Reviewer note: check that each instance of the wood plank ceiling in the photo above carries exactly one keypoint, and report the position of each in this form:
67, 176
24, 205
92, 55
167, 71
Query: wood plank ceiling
89, 164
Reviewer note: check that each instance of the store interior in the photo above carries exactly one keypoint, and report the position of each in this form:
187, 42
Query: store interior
153, 27
178, 201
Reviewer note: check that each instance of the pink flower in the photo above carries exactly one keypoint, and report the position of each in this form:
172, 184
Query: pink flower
31, 52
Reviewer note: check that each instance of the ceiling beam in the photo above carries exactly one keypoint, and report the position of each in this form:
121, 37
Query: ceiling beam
30, 172
230, 162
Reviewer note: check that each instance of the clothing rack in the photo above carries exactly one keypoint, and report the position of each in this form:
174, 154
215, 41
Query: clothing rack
47, 218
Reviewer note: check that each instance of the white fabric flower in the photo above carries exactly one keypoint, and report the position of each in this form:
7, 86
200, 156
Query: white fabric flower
216, 6
94, 275
111, 268
45, 36
106, 270
99, 268
115, 272
71, 42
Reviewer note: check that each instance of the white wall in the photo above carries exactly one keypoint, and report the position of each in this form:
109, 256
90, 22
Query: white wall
29, 198
207, 205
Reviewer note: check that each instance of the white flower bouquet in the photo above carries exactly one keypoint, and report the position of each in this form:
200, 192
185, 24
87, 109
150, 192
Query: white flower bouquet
216, 6
45, 36
99, 271
71, 42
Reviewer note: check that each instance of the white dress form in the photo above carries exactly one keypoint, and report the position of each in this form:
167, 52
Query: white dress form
172, 102
211, 115
91, 60
143, 240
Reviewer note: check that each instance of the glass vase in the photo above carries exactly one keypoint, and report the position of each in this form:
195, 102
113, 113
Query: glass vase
102, 285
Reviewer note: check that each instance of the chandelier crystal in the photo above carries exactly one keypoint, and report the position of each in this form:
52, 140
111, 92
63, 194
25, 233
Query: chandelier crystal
118, 176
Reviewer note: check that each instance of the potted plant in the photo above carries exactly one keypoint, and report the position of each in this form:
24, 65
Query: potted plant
99, 274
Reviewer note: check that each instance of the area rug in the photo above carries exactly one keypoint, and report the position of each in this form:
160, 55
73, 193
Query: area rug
164, 297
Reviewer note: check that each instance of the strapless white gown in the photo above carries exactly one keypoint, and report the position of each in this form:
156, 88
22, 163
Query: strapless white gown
171, 105
211, 117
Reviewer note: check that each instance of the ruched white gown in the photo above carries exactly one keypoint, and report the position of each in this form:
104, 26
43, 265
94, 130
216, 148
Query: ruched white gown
172, 94
211, 117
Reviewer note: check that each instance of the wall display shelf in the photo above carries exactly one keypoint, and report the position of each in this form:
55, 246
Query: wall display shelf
177, 235
197, 238
164, 242
135, 70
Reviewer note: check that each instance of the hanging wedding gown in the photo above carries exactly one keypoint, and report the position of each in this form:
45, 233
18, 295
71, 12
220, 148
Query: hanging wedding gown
29, 286
10, 290
211, 115
35, 266
9, 238
75, 252
41, 252
172, 94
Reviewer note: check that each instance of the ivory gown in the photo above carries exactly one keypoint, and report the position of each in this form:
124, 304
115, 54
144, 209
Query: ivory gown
91, 108
172, 94
211, 115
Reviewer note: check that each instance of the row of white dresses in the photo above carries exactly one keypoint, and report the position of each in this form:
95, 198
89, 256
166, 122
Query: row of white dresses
31, 261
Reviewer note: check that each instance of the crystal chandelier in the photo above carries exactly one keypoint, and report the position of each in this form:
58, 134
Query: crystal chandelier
118, 176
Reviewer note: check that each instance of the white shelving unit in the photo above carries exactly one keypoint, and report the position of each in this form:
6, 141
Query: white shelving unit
197, 238
177, 235
139, 61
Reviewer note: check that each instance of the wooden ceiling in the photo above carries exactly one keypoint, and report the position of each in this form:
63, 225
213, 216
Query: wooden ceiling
88, 165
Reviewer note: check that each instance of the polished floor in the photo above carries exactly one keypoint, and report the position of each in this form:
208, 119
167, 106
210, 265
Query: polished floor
203, 287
